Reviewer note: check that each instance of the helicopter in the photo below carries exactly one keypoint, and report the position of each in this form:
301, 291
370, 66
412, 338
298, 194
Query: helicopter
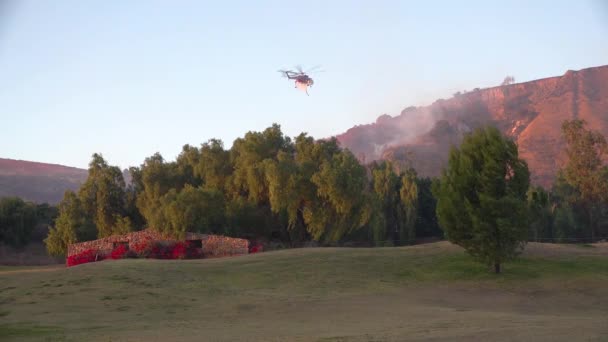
302, 80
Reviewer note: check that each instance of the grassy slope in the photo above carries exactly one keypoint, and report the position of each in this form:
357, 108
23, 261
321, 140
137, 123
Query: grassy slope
423, 292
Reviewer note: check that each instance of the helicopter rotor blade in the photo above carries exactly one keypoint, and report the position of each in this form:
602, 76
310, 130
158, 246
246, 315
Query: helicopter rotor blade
287, 73
313, 69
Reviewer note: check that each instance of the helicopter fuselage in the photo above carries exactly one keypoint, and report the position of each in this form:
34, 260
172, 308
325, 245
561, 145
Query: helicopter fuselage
300, 78
303, 79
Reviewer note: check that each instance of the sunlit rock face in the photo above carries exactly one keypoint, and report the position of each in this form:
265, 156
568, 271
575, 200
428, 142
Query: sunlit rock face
531, 113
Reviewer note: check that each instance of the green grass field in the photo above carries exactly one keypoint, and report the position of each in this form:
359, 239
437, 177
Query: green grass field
427, 292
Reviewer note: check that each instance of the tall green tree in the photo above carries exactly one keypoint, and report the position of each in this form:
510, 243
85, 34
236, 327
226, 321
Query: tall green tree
213, 167
343, 201
101, 208
289, 191
386, 186
585, 170
72, 225
156, 177
248, 156
295, 179
103, 195
409, 202
132, 191
481, 197
186, 163
377, 224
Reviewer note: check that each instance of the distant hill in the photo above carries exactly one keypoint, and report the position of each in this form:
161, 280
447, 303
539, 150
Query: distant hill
531, 113
38, 182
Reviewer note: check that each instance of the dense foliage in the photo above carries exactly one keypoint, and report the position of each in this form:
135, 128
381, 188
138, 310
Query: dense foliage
87, 256
267, 186
482, 197
271, 188
22, 222
576, 208
99, 209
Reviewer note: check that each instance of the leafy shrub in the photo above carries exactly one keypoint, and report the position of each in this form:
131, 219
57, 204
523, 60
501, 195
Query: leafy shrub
178, 250
90, 255
119, 252
256, 248
174, 250
192, 252
160, 250
145, 249
142, 248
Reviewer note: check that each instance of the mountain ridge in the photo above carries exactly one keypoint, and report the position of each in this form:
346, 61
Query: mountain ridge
531, 113
38, 182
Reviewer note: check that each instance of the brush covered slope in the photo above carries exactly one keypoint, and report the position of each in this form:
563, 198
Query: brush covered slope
38, 182
531, 113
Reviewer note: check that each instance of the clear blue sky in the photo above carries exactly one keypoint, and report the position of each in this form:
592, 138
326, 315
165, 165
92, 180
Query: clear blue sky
130, 78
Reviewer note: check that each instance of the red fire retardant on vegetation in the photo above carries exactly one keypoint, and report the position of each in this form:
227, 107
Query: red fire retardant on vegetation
119, 252
90, 255
146, 249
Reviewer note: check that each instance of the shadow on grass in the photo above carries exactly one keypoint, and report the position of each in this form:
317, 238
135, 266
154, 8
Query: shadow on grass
463, 267
18, 332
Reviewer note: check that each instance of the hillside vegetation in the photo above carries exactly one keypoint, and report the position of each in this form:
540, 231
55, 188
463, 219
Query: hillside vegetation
434, 291
38, 182
530, 113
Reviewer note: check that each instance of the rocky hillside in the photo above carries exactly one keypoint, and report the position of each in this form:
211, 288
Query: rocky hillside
531, 113
38, 182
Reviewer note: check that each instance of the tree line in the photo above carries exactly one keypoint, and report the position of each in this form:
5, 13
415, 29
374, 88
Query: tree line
271, 187
576, 207
266, 186
22, 222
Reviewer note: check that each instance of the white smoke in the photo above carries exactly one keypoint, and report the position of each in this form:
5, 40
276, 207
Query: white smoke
413, 123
